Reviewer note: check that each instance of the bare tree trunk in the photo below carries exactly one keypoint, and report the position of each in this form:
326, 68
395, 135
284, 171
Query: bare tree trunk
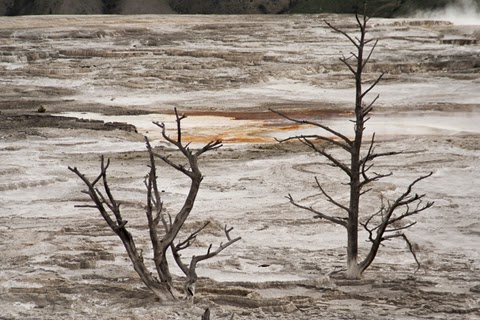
206, 314
352, 224
353, 271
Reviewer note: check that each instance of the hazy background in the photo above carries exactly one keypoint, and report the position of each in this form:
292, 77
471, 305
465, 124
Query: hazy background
459, 10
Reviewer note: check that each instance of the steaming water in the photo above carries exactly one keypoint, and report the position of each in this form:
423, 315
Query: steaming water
460, 12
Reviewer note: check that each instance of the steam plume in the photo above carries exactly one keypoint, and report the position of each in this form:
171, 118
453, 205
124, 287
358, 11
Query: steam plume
460, 12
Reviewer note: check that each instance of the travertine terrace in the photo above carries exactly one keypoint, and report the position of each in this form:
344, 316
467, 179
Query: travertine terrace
102, 80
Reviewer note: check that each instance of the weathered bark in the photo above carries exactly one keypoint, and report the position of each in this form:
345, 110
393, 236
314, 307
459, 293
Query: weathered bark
162, 289
206, 314
352, 248
353, 269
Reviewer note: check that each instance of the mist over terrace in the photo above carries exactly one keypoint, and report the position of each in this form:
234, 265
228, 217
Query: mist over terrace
459, 12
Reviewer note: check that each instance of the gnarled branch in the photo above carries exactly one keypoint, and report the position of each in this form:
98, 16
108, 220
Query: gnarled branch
320, 215
190, 271
316, 124
388, 219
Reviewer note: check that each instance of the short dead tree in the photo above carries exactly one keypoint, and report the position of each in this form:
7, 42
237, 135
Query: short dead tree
163, 228
389, 221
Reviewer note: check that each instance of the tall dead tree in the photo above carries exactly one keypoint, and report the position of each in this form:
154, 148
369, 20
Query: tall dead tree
163, 228
357, 166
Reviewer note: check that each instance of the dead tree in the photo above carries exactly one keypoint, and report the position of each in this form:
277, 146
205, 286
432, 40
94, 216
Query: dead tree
163, 228
358, 165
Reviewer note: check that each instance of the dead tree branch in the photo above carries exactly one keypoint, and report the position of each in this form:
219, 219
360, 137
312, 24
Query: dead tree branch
348, 142
319, 215
191, 270
105, 202
388, 219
